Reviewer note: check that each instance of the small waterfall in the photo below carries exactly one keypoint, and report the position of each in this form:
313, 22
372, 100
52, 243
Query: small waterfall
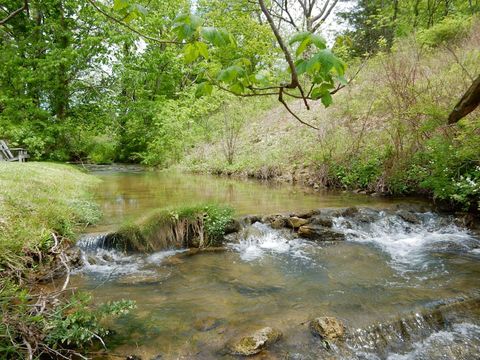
403, 335
91, 241
406, 239
99, 257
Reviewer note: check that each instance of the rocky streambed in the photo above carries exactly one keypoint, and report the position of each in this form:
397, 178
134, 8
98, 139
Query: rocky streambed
344, 283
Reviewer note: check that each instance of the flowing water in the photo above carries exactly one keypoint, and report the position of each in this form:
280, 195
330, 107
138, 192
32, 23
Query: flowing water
405, 291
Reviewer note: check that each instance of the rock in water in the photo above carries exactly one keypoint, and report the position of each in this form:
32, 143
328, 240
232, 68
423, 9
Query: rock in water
254, 343
295, 222
206, 324
322, 220
320, 233
409, 216
327, 328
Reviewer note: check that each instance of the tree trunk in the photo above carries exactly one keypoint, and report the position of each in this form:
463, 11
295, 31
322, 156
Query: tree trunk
469, 101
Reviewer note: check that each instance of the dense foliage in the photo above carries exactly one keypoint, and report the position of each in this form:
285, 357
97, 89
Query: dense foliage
141, 81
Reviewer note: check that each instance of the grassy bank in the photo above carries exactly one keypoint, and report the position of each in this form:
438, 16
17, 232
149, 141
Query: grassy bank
36, 201
387, 132
42, 206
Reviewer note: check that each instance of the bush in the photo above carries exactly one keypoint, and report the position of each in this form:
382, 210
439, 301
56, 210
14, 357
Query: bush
447, 31
102, 150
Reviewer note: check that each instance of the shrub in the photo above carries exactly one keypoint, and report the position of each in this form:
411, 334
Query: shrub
447, 31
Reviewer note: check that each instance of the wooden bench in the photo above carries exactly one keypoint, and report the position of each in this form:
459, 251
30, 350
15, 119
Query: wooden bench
13, 154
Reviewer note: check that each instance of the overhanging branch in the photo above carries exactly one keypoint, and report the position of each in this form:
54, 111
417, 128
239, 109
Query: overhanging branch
120, 22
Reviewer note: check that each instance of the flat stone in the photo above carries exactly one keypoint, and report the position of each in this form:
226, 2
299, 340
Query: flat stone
206, 324
295, 222
320, 233
327, 328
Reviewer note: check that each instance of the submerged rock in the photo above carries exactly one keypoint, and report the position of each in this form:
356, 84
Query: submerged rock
320, 233
327, 328
207, 323
408, 216
348, 212
254, 343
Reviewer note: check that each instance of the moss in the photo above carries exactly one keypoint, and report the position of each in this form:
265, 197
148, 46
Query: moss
198, 227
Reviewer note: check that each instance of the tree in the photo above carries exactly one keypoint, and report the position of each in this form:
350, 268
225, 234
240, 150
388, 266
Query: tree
468, 102
302, 15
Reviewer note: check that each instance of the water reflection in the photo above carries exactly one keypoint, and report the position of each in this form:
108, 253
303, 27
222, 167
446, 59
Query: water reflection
126, 193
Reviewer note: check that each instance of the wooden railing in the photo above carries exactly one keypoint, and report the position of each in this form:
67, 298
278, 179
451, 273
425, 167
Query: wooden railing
12, 154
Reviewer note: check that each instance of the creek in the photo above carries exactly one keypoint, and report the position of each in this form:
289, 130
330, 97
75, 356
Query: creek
384, 281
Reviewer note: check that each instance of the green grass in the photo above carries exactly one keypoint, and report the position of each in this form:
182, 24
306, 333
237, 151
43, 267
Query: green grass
36, 200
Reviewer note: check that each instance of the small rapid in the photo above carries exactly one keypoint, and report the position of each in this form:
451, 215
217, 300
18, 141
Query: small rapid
406, 284
260, 240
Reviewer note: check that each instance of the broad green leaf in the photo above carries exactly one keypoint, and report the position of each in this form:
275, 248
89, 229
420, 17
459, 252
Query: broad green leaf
186, 25
299, 37
303, 46
120, 4
327, 100
204, 88
324, 61
237, 88
131, 16
217, 37
190, 53
318, 41
230, 74
320, 91
342, 80
202, 49
301, 66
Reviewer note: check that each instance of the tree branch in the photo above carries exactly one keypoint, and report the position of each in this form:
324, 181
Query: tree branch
294, 81
15, 13
281, 99
118, 21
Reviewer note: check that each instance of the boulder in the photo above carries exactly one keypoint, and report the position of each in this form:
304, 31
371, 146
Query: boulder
295, 222
276, 221
327, 328
408, 216
309, 214
349, 212
320, 233
232, 226
254, 343
251, 219
322, 220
